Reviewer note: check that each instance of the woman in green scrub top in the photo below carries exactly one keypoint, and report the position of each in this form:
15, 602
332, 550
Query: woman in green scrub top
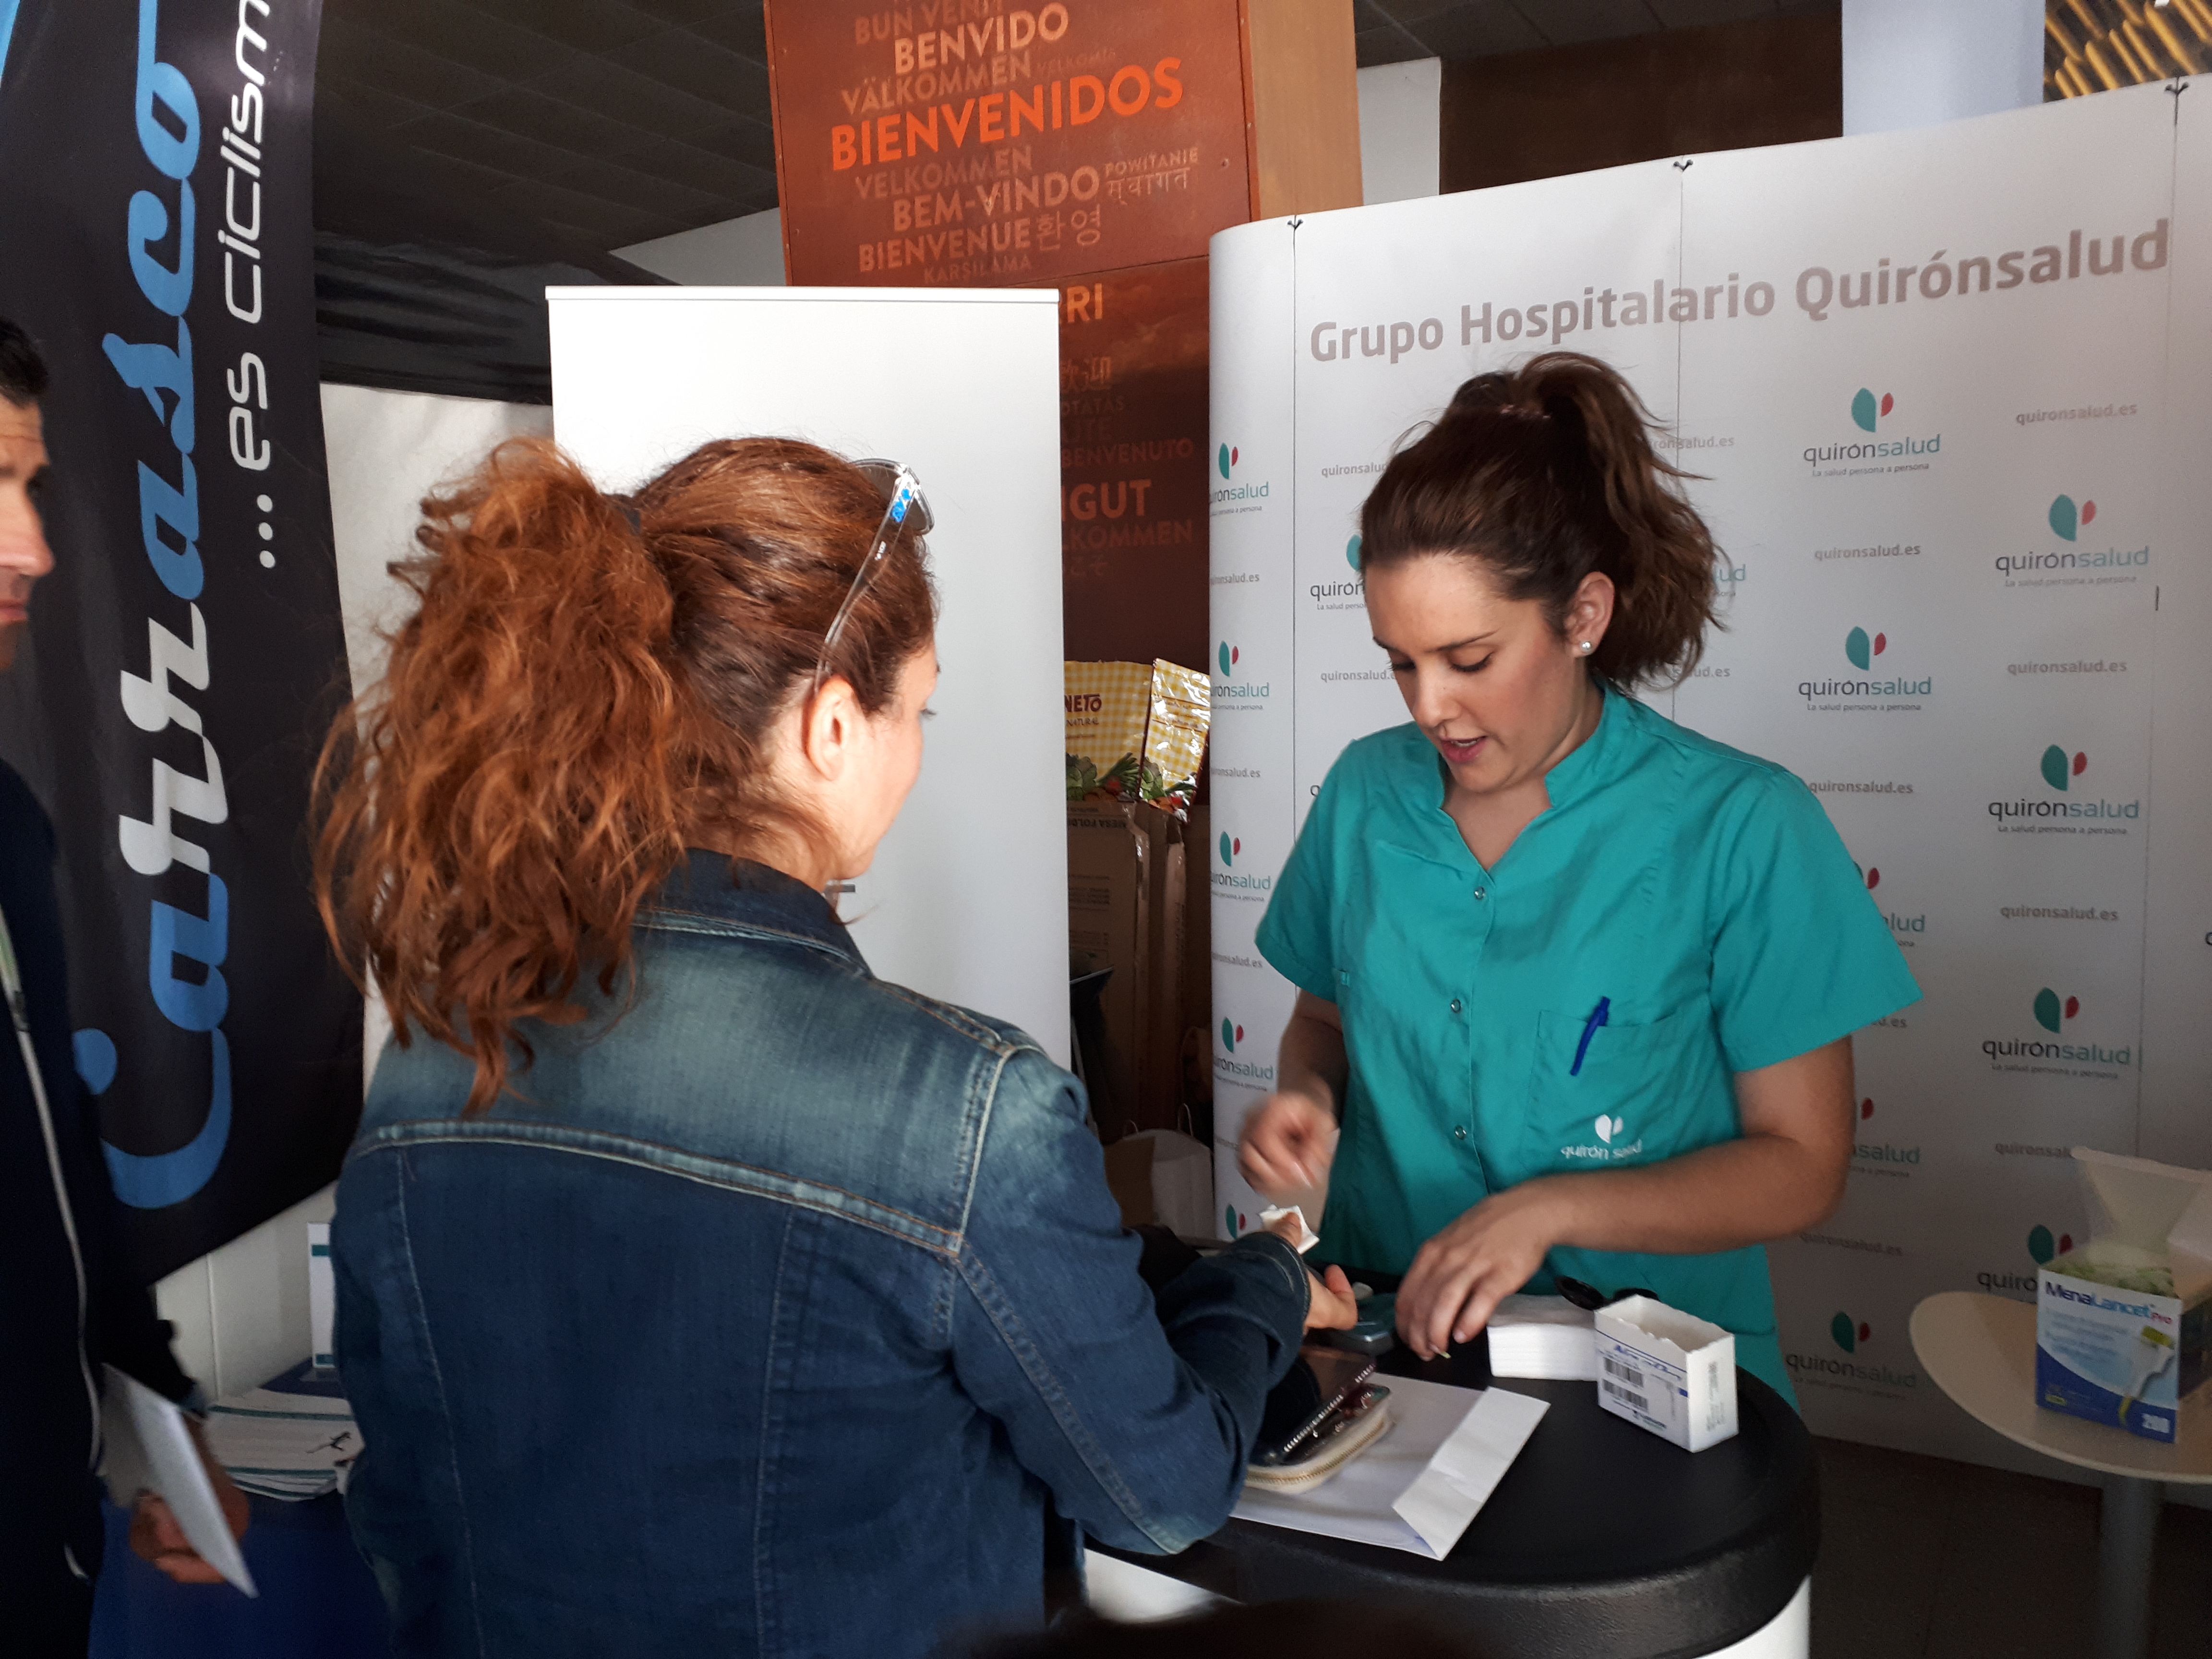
1576, 986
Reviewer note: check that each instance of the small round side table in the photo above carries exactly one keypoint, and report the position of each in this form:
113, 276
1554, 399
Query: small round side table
1980, 1350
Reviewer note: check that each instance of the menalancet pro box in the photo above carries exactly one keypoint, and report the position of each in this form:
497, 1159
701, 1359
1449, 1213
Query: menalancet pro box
2123, 1322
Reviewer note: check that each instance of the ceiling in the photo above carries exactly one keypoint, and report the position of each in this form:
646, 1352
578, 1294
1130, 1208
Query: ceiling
612, 122
2101, 46
1394, 31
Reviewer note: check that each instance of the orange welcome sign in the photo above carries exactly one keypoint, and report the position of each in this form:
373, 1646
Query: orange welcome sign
997, 115
973, 143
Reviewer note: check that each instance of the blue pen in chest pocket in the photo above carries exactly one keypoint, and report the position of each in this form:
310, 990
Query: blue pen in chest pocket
1599, 1016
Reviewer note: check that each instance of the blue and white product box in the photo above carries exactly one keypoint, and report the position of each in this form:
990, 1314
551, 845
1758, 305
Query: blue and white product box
2123, 1321
1667, 1371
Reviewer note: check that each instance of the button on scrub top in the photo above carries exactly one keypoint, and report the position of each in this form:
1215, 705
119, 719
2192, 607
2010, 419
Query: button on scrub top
1701, 894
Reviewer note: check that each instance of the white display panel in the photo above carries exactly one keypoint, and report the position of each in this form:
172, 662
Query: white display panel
1968, 575
968, 900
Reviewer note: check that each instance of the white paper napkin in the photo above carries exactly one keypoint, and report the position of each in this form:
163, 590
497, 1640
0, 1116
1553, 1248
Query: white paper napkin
1542, 1336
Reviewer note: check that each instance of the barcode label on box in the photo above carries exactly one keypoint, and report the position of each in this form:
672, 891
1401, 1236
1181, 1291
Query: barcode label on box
1644, 1374
1623, 1395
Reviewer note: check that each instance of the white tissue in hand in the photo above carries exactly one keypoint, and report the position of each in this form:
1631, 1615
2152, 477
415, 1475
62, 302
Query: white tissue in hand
1543, 1336
1303, 1237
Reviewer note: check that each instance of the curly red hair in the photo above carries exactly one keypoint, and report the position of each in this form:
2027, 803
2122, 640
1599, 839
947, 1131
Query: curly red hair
573, 700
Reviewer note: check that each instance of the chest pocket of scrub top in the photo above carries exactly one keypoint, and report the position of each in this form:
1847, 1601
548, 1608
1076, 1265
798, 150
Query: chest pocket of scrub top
1637, 1091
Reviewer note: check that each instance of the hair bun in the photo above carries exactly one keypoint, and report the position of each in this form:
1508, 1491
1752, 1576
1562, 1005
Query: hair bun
1547, 475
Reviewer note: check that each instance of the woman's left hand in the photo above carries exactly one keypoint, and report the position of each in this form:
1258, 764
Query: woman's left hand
156, 1537
1462, 1273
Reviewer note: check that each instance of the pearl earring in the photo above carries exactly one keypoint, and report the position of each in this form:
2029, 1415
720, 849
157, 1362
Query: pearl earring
1587, 647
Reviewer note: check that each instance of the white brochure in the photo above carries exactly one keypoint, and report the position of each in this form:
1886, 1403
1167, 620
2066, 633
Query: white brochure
151, 1450
1418, 1488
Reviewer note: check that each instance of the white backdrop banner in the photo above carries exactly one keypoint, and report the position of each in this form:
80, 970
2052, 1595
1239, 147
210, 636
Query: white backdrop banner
1949, 391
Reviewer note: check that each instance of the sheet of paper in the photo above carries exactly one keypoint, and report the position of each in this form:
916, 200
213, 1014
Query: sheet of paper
1360, 1503
1468, 1467
151, 1450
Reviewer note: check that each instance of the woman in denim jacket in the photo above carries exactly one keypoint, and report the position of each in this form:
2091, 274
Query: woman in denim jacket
699, 1291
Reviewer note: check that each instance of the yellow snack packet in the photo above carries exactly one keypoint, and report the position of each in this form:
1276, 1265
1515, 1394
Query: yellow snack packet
1136, 731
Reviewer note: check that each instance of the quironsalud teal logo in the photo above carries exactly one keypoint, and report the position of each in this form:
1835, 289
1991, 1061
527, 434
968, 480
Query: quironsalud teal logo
1860, 649
1825, 1369
1232, 686
1231, 1034
2050, 1012
2043, 1249
1226, 458
1867, 409
2067, 519
1351, 552
2060, 773
1230, 847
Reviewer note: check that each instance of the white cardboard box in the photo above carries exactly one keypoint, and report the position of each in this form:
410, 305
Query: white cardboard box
1666, 1371
2109, 1347
322, 1296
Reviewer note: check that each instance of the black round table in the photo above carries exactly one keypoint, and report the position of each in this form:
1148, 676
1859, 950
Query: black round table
1601, 1539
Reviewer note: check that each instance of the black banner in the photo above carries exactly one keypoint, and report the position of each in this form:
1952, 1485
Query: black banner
187, 654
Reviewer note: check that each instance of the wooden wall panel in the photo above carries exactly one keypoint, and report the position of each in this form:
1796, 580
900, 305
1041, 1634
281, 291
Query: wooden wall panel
1133, 466
1303, 88
1538, 114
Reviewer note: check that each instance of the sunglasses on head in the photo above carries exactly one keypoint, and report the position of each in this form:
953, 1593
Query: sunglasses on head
1589, 1298
905, 508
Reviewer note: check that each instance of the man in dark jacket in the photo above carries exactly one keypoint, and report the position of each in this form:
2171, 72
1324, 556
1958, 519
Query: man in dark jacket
66, 1303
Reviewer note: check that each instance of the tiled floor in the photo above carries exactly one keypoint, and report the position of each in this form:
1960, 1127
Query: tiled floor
1920, 1556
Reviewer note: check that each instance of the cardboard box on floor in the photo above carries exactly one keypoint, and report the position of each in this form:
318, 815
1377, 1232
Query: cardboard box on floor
1159, 1092
1197, 1045
1159, 1176
1136, 737
1108, 926
1126, 881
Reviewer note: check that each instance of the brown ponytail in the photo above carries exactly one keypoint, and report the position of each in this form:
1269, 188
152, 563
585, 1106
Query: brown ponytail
571, 700
1545, 473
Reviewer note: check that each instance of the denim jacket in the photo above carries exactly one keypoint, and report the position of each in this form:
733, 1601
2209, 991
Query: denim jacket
777, 1316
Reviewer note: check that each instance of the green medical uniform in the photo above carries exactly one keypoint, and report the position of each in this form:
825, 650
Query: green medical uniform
1700, 894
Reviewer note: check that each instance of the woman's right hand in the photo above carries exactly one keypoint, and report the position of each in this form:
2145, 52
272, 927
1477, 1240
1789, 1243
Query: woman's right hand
1286, 1145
